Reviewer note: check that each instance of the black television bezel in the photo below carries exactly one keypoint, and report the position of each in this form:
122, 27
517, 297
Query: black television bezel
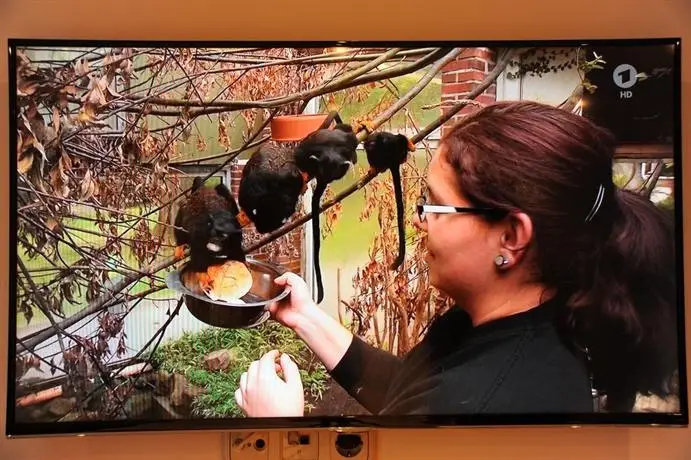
681, 419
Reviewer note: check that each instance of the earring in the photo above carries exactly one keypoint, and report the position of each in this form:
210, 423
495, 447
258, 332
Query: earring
500, 260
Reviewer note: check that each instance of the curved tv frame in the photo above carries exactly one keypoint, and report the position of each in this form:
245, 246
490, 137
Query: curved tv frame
352, 422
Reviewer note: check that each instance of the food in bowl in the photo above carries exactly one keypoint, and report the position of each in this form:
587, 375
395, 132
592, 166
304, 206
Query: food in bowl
227, 282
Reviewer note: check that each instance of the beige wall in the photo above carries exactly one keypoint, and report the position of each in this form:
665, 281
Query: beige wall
310, 19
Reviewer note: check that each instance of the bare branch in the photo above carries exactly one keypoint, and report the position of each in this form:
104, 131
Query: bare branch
349, 81
42, 304
649, 186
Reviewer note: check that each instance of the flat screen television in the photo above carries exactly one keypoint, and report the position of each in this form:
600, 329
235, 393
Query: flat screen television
123, 271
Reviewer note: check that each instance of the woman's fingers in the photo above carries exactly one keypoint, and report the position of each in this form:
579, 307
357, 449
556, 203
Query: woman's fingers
252, 374
267, 363
291, 373
282, 280
243, 382
238, 399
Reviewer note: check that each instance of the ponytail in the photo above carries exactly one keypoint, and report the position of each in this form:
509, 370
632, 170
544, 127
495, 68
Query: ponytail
627, 317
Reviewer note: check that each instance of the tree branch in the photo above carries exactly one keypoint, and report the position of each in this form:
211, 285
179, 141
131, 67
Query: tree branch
41, 302
419, 86
221, 155
341, 84
98, 304
649, 186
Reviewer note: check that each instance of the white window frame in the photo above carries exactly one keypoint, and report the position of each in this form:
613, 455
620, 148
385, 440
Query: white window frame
647, 170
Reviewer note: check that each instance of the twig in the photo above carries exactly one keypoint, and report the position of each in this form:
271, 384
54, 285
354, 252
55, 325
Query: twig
224, 106
220, 155
41, 302
116, 299
98, 304
419, 86
101, 208
157, 335
649, 186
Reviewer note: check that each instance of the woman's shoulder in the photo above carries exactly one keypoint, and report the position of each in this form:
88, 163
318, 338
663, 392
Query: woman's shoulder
528, 369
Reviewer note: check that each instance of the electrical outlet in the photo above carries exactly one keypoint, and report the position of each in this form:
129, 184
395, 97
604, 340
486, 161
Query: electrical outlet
349, 445
250, 445
300, 445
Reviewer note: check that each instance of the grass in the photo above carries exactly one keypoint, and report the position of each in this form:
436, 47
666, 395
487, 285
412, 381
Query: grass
186, 356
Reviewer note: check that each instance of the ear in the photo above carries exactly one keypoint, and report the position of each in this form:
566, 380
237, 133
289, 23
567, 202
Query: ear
516, 236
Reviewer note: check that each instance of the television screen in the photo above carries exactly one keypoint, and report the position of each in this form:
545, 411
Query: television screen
344, 234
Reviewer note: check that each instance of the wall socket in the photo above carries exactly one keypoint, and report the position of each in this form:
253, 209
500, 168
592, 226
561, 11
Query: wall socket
250, 445
299, 445
349, 445
302, 445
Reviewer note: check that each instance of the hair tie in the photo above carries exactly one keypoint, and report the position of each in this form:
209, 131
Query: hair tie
598, 202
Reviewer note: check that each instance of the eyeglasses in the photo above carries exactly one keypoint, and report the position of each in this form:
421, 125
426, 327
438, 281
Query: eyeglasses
423, 208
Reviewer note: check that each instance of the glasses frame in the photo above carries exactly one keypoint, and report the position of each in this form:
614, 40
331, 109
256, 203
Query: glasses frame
423, 209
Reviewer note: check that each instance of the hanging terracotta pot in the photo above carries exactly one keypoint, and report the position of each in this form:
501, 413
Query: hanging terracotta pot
292, 128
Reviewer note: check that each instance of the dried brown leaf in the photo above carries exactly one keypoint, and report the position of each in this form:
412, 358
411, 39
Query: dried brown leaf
25, 162
26, 309
127, 67
52, 224
87, 114
26, 88
56, 119
59, 179
96, 92
112, 92
69, 89
88, 187
201, 144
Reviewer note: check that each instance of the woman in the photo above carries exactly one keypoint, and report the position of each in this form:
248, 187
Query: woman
560, 280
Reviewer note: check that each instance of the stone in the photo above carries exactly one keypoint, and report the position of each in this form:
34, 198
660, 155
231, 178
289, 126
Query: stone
220, 360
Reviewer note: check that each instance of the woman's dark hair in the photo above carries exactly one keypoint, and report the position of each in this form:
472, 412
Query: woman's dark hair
617, 269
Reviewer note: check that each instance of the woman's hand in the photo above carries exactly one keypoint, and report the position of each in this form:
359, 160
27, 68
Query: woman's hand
323, 333
295, 307
263, 393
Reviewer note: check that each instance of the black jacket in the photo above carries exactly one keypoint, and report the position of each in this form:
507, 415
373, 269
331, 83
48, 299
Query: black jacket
515, 364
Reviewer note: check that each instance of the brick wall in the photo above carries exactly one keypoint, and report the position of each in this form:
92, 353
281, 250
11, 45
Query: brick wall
285, 251
461, 76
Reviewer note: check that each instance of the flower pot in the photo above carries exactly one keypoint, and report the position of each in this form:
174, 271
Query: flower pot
294, 128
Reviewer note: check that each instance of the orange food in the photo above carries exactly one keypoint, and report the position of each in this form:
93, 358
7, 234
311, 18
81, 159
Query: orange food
195, 281
228, 282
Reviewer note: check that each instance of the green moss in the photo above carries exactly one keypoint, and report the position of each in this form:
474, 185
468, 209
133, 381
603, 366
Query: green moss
186, 356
